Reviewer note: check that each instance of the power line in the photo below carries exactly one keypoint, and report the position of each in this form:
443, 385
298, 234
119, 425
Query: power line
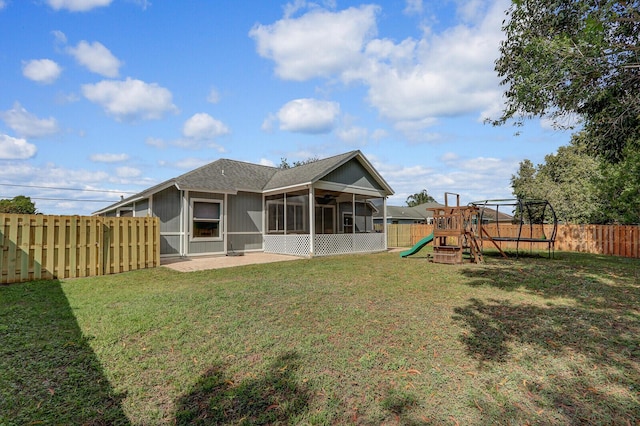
71, 199
68, 189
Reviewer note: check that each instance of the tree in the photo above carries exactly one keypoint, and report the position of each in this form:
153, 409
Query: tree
284, 164
568, 180
419, 198
19, 204
581, 57
619, 190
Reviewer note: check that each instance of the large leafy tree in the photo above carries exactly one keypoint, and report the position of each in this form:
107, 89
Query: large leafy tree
567, 179
19, 204
582, 57
619, 190
419, 198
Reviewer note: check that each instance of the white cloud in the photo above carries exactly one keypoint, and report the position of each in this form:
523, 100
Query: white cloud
213, 96
15, 149
317, 44
59, 37
410, 82
2, 4
155, 142
127, 172
353, 135
96, 57
474, 178
109, 158
130, 99
43, 71
414, 7
28, 125
202, 126
379, 134
308, 116
77, 5
190, 163
266, 162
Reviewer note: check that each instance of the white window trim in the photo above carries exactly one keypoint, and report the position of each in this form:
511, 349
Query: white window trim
220, 236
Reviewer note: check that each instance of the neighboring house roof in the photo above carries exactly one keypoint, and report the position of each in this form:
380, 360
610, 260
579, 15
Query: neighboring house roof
418, 212
231, 176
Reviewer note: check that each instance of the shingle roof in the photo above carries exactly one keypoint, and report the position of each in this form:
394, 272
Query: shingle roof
309, 172
230, 176
403, 212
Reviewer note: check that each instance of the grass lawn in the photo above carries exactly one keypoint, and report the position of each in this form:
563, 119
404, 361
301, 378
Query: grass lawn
360, 339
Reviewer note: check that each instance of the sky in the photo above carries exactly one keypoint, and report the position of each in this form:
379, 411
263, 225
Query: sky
104, 98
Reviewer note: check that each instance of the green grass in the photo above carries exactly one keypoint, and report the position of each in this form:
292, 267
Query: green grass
370, 339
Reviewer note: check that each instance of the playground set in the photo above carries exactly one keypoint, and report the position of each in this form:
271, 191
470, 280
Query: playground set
460, 232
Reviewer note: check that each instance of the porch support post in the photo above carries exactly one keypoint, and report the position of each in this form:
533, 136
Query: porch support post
312, 221
224, 224
353, 213
384, 221
184, 241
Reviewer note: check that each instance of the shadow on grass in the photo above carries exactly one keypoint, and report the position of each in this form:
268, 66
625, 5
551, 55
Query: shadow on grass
589, 339
274, 398
48, 372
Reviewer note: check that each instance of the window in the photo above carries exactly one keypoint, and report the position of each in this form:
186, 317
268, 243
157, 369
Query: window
296, 217
275, 216
125, 212
206, 218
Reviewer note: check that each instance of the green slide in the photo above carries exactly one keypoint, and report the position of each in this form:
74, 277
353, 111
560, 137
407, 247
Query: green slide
413, 250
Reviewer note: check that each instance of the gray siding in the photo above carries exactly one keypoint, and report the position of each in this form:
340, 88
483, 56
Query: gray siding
244, 212
352, 173
169, 244
166, 206
242, 242
142, 208
204, 247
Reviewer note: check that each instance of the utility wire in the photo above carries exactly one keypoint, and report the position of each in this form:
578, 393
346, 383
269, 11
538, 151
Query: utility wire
70, 199
68, 189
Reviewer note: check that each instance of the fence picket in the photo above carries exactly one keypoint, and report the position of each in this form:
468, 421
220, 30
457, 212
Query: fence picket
45, 247
610, 240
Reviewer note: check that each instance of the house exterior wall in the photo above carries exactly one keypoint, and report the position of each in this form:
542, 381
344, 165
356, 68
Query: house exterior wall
244, 222
166, 206
354, 174
141, 208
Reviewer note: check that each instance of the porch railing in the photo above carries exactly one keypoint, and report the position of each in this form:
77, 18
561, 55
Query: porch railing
324, 244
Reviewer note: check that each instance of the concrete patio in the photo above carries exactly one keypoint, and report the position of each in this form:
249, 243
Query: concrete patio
190, 264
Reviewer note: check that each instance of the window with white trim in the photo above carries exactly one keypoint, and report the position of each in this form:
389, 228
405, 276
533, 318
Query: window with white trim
206, 219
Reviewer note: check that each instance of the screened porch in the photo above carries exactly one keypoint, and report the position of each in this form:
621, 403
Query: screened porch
331, 223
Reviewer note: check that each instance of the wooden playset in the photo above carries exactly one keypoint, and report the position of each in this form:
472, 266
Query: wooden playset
454, 232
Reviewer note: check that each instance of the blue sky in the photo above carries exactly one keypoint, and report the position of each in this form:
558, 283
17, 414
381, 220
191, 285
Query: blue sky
109, 97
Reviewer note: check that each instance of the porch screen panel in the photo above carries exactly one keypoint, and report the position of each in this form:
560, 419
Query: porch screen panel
297, 217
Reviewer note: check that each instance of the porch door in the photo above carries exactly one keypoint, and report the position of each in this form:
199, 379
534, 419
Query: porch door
325, 220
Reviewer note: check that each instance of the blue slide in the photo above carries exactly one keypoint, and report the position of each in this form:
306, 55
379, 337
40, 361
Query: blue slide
413, 250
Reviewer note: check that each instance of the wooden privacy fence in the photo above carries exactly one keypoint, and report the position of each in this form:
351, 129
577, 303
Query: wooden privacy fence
48, 247
614, 240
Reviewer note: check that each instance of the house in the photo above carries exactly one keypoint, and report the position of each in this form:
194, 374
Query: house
406, 215
321, 208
